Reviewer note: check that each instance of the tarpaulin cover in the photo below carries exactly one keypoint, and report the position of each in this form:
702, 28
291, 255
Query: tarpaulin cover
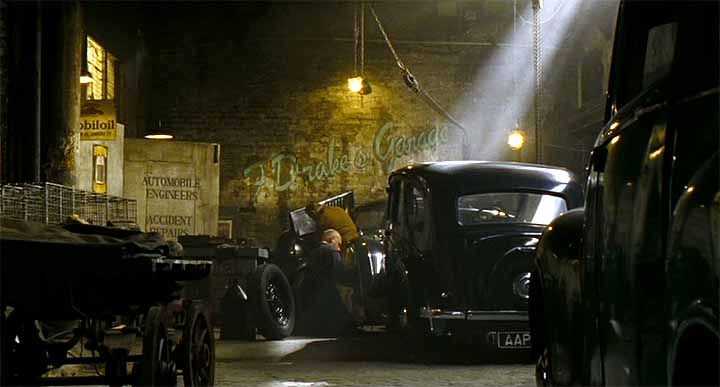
83, 236
61, 272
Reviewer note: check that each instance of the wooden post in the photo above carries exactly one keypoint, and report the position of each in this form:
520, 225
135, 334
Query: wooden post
62, 39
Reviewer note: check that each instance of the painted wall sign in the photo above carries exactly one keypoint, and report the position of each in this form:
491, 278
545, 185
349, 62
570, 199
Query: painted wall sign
98, 120
176, 185
172, 188
282, 171
160, 191
100, 169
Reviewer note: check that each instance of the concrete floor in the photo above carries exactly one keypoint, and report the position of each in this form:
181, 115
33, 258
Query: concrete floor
364, 360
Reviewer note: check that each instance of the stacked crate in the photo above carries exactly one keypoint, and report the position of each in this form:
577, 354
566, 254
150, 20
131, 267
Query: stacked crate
54, 203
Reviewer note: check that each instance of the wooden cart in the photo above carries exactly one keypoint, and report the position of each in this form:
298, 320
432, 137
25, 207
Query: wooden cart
100, 283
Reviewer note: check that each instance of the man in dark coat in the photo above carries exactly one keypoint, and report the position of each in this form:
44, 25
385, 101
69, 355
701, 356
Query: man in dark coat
337, 218
324, 313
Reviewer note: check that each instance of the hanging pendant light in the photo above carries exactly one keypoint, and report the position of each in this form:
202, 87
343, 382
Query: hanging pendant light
359, 84
158, 133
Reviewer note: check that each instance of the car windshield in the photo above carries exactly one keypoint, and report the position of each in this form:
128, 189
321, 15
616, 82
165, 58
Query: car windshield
302, 222
508, 207
369, 218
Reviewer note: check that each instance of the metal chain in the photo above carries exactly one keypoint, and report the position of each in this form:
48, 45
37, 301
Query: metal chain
356, 33
514, 50
414, 85
387, 40
557, 10
537, 62
362, 39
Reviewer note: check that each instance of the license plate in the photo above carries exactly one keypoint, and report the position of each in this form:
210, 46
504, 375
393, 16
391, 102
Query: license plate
513, 339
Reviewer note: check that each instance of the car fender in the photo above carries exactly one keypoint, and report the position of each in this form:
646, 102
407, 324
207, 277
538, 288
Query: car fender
559, 267
693, 267
699, 318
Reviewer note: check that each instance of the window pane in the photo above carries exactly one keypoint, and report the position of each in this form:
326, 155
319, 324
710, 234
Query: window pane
96, 66
370, 219
659, 53
508, 207
401, 209
110, 72
418, 219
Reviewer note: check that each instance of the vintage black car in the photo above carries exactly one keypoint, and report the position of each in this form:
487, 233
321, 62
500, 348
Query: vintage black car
302, 236
460, 238
370, 219
625, 292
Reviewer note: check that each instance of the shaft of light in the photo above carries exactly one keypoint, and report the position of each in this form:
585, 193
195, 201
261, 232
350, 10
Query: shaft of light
494, 102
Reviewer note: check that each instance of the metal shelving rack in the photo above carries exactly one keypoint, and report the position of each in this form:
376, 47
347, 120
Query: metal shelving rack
51, 203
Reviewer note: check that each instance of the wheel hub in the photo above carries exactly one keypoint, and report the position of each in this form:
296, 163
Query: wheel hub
276, 304
201, 355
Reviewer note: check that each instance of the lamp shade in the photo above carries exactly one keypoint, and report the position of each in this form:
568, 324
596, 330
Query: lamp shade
158, 133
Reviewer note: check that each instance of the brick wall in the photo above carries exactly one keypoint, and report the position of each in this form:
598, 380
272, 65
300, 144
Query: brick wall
268, 82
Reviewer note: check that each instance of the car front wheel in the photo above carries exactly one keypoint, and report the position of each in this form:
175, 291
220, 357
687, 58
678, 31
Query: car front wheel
274, 302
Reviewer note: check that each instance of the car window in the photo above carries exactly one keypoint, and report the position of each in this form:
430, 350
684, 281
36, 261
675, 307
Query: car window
418, 218
509, 207
369, 219
398, 207
659, 53
646, 50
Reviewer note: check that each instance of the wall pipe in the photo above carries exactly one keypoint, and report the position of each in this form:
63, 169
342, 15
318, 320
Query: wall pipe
37, 96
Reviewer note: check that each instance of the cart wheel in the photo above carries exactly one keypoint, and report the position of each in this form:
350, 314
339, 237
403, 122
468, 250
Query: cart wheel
198, 349
236, 315
297, 286
156, 367
5, 336
23, 355
273, 300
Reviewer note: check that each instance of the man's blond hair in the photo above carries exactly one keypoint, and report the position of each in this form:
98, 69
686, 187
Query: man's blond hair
330, 234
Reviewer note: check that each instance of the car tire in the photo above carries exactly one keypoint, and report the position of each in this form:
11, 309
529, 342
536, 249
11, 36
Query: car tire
273, 301
539, 351
542, 370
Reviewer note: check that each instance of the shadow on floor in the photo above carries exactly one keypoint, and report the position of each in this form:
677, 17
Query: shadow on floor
384, 347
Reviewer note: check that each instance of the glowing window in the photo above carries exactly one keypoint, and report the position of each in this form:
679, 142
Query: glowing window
101, 65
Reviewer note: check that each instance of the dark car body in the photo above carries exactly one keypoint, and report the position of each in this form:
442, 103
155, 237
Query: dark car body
625, 292
302, 237
459, 268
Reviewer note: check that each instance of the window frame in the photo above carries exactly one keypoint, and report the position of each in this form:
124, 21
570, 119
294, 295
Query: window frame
109, 66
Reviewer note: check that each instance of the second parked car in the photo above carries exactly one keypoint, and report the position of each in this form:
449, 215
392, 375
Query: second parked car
460, 237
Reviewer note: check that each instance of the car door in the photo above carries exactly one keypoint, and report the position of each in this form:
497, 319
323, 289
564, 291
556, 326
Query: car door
408, 240
396, 246
626, 220
692, 267
418, 260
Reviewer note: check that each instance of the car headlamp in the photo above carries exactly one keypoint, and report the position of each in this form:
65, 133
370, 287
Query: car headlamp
521, 285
